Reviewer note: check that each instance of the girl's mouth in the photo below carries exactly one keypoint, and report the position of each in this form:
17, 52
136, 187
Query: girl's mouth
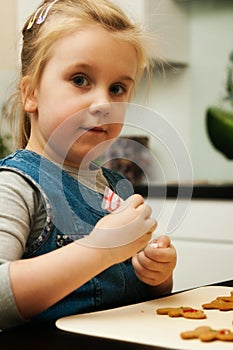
96, 129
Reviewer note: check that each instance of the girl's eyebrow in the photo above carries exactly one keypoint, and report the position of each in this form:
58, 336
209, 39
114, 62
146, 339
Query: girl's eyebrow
127, 78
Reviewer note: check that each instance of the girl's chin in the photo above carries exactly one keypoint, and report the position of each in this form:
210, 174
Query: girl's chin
81, 161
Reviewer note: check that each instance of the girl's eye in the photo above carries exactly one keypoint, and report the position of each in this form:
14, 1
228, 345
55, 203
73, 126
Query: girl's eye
117, 89
80, 80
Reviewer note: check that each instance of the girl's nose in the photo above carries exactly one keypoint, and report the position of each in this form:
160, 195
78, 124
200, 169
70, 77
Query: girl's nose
100, 109
100, 106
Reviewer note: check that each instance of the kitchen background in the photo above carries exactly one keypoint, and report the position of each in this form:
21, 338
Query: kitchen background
195, 38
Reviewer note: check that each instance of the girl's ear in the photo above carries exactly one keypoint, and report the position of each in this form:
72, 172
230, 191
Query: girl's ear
28, 97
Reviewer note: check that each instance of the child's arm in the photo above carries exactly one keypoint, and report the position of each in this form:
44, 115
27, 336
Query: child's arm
40, 282
154, 266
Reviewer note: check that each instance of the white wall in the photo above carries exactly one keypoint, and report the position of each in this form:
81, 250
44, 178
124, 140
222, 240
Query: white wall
203, 240
14, 13
8, 49
24, 10
211, 43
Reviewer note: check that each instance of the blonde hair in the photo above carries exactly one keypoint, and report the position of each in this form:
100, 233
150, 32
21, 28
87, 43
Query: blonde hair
63, 18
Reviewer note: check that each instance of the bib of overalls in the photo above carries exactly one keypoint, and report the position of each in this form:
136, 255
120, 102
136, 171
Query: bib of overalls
72, 211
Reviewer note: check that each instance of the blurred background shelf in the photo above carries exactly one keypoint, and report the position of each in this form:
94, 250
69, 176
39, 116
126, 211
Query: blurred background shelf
205, 191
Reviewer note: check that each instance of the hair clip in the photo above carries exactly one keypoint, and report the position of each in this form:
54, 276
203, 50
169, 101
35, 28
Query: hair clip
43, 14
32, 19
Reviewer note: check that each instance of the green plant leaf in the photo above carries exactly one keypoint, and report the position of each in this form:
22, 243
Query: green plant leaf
219, 125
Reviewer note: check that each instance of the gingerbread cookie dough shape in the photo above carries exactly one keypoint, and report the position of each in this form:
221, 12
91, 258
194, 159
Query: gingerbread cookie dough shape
222, 303
186, 312
207, 334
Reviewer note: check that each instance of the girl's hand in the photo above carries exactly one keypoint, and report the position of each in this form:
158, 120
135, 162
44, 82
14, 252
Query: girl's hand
125, 231
154, 265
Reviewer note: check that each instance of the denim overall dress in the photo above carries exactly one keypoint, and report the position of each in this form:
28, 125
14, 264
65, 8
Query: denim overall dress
72, 212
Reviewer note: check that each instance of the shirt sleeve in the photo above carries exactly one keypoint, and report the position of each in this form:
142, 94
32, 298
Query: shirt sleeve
9, 314
17, 207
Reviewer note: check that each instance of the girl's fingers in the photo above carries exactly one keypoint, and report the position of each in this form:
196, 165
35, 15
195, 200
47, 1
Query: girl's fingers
135, 200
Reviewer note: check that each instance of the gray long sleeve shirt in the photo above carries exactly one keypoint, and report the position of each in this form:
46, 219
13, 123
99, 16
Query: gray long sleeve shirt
21, 211
22, 217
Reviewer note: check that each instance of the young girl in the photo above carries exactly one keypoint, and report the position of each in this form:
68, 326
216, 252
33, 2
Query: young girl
60, 252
